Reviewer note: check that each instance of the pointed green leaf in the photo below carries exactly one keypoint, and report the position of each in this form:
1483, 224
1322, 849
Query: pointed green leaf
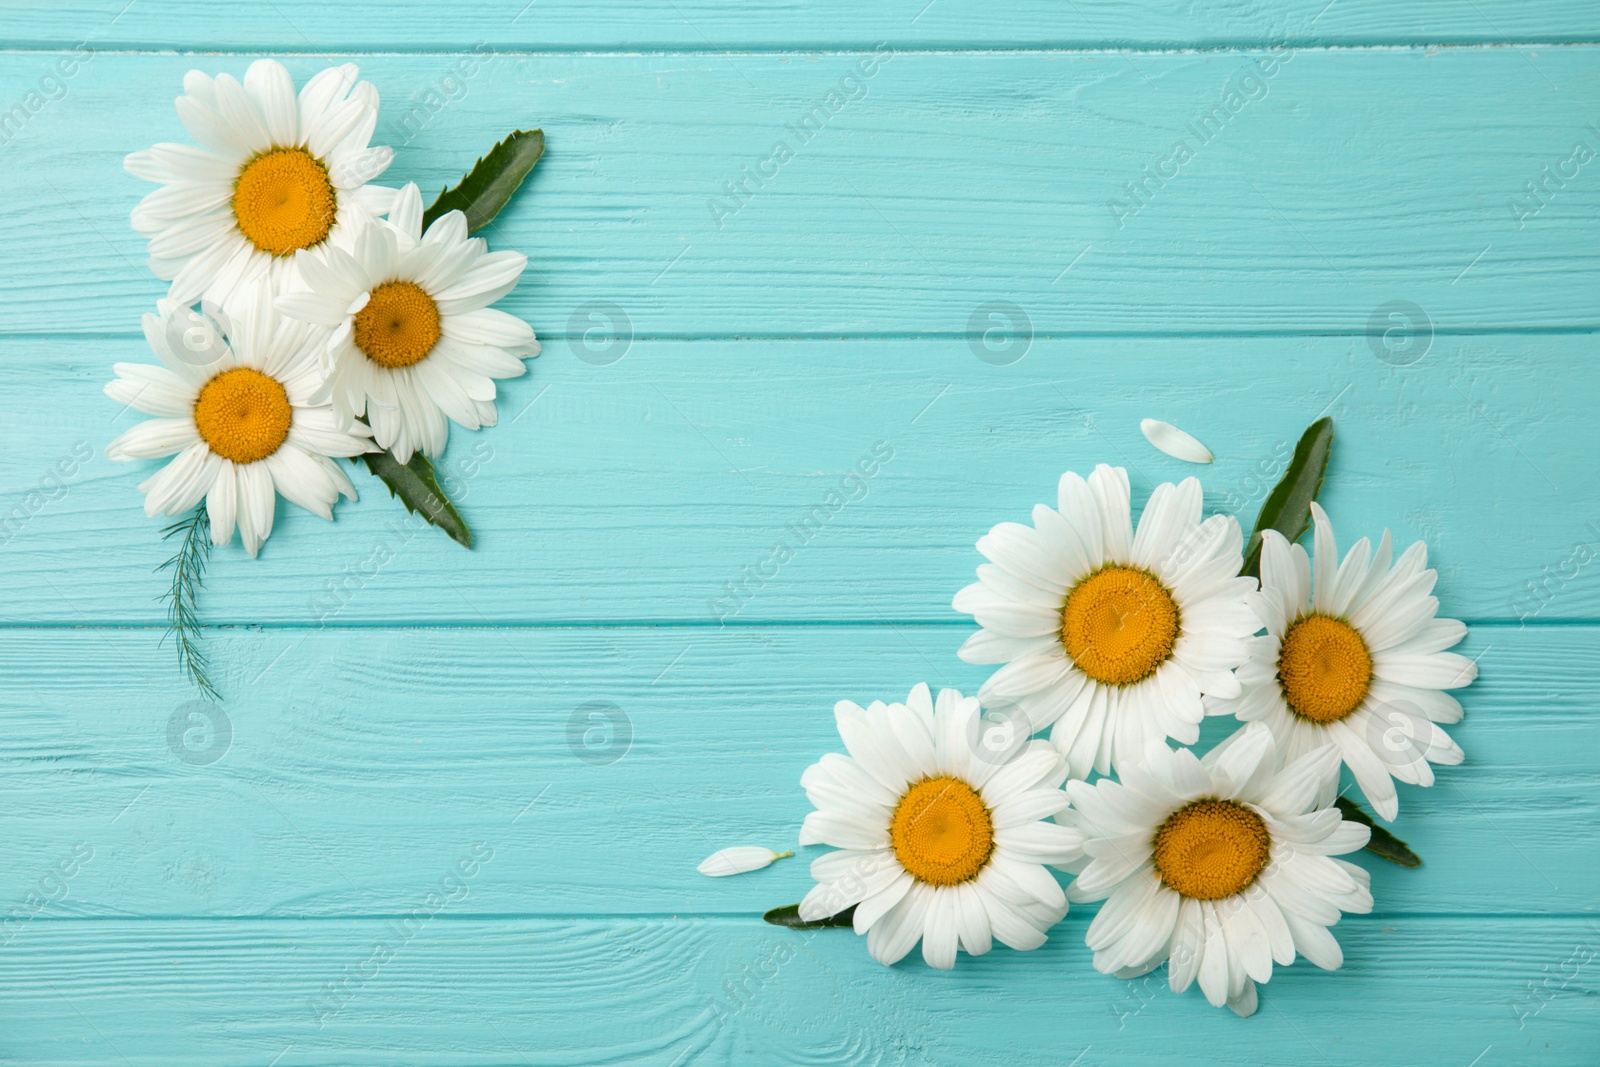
1383, 844
418, 489
1288, 507
488, 186
790, 916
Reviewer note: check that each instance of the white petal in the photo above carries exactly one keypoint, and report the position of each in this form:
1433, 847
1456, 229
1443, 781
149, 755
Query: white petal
1243, 1003
209, 128
738, 860
257, 504
879, 895
1010, 924
300, 479
988, 647
153, 439
1314, 942
972, 921
355, 169
1080, 509
322, 309
242, 113
222, 503
170, 162
1303, 784
1170, 513
181, 484
1039, 842
488, 326
1110, 487
1244, 759
490, 278
269, 82
1438, 670
406, 214
896, 934
152, 390
1174, 442
842, 831
939, 931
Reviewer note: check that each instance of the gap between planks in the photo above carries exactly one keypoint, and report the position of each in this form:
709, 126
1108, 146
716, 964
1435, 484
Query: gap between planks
1065, 48
633, 624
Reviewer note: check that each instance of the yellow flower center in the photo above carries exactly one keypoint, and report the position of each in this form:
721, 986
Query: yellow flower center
1324, 668
284, 201
399, 326
243, 415
941, 831
1119, 624
1211, 849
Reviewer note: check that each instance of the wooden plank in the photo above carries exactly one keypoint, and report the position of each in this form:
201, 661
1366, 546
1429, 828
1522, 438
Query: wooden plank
668, 486
601, 765
412, 25
442, 991
1053, 182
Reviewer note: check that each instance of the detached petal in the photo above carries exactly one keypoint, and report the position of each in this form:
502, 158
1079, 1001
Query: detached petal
739, 859
1174, 442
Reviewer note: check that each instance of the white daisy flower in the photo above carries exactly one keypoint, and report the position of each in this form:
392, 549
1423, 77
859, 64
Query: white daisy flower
1355, 658
936, 841
1113, 636
414, 338
1222, 865
238, 412
273, 174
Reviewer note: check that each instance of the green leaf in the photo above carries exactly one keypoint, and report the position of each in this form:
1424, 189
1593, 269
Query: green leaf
790, 916
418, 489
1383, 844
488, 186
1288, 507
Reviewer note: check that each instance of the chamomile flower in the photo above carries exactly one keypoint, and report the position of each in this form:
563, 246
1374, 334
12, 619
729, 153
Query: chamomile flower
1114, 636
1354, 655
414, 340
939, 839
273, 174
236, 406
1222, 865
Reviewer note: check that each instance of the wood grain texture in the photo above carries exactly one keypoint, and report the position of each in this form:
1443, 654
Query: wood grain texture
668, 486
603, 765
1312, 199
410, 25
459, 798
445, 991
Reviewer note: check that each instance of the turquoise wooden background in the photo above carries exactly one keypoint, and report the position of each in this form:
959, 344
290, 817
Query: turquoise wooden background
401, 710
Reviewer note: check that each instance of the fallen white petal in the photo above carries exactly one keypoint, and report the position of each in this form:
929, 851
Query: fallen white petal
1174, 442
738, 860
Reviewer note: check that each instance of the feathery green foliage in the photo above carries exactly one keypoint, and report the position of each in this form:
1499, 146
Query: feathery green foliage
188, 567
